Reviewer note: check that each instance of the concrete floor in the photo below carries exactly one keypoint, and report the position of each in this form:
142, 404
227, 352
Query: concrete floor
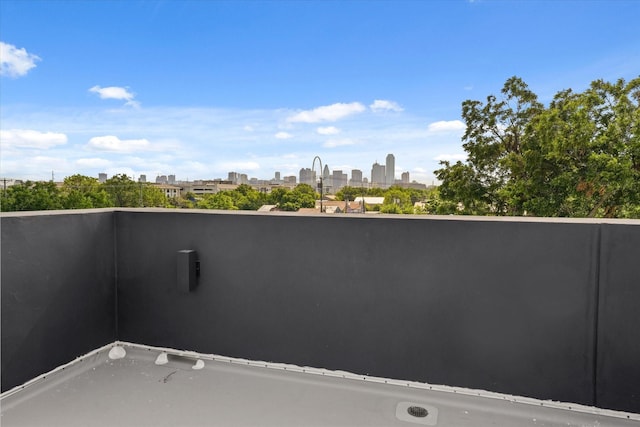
131, 385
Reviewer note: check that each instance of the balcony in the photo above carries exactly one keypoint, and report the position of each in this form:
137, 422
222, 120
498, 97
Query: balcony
318, 320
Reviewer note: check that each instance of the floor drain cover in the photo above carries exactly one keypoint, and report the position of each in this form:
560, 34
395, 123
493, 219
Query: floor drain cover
417, 411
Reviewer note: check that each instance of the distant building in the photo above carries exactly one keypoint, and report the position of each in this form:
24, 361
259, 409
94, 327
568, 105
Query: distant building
162, 179
307, 176
172, 179
405, 177
378, 178
390, 170
290, 180
356, 178
234, 177
170, 191
277, 176
143, 178
102, 178
338, 180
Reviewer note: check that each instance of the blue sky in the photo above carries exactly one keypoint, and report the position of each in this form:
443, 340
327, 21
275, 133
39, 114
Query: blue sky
201, 88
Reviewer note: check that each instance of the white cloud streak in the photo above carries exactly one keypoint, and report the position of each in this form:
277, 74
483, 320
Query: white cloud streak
382, 105
329, 130
446, 126
332, 143
93, 163
15, 62
27, 138
111, 143
283, 135
327, 113
116, 92
240, 166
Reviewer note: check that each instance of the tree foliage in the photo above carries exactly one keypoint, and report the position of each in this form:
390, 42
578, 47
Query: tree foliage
578, 157
83, 192
124, 192
32, 196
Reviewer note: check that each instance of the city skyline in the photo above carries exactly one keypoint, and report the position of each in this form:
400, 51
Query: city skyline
198, 89
334, 179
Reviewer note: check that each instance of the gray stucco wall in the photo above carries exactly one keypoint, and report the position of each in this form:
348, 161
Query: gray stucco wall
58, 290
546, 309
618, 368
502, 306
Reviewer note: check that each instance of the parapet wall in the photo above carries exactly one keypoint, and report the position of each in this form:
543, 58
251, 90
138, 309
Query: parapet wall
538, 308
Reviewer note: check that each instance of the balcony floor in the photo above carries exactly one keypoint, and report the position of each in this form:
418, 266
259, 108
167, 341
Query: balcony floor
191, 389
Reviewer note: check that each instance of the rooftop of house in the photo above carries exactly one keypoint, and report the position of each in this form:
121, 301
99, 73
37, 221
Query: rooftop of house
133, 385
165, 317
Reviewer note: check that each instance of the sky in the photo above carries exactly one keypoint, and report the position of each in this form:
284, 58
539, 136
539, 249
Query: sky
198, 89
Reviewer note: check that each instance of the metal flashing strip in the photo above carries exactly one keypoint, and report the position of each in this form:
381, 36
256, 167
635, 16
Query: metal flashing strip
574, 407
60, 368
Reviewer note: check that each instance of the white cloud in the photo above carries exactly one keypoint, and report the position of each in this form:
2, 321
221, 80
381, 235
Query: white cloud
26, 138
327, 113
249, 128
15, 62
283, 135
446, 126
329, 130
115, 144
332, 143
116, 92
239, 166
380, 105
93, 163
450, 157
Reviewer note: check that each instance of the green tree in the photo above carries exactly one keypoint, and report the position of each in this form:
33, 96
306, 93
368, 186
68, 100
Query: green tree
302, 196
397, 201
31, 196
246, 197
493, 140
124, 192
220, 200
578, 157
583, 156
83, 192
276, 195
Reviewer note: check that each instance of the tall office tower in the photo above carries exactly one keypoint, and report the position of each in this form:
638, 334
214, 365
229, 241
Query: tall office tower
390, 170
143, 178
405, 177
102, 178
338, 180
307, 176
327, 180
277, 176
172, 179
234, 177
161, 179
244, 178
356, 178
377, 175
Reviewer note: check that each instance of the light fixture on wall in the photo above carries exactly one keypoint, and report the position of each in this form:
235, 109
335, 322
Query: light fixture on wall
188, 270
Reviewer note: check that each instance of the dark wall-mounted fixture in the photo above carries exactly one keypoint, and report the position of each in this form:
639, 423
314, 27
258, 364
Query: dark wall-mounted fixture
188, 270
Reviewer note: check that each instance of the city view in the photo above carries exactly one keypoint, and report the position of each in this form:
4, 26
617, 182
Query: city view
240, 102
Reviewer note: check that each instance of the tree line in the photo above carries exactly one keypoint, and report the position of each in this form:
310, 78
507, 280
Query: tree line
83, 192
